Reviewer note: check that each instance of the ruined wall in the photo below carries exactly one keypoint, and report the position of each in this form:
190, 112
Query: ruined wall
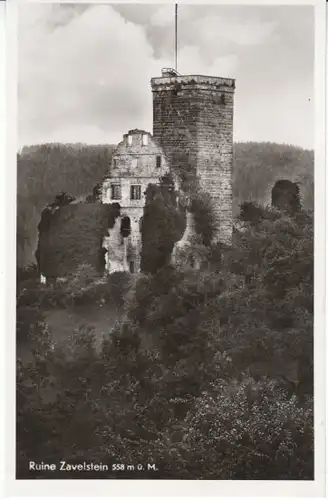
186, 240
132, 157
125, 184
135, 163
122, 251
193, 122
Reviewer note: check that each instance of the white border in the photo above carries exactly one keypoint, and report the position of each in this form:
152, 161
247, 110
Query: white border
3, 253
119, 488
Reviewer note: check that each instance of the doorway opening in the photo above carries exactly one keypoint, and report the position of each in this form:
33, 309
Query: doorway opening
126, 227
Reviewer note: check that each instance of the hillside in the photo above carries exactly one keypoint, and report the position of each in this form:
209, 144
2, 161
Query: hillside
257, 166
203, 373
48, 169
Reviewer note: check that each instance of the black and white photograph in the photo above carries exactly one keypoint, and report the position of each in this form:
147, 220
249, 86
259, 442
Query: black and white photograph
165, 245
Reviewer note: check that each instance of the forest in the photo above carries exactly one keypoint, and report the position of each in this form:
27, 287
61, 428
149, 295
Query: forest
46, 170
202, 373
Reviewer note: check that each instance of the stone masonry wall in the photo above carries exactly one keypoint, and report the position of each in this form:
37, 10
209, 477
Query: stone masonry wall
193, 122
134, 163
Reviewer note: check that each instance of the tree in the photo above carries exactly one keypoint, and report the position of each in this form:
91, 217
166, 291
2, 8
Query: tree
163, 224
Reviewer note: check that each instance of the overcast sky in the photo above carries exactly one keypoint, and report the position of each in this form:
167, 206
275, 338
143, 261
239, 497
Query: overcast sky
84, 69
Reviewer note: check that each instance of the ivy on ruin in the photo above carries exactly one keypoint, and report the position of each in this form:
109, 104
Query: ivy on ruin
163, 224
71, 234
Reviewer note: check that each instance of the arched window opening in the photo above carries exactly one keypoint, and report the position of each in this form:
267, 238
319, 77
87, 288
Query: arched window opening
125, 227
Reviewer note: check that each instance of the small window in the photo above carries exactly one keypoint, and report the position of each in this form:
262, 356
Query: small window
115, 191
145, 140
134, 162
158, 161
115, 163
135, 193
130, 140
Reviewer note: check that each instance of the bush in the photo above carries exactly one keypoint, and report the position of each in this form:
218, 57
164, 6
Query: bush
163, 224
249, 430
202, 209
208, 374
72, 235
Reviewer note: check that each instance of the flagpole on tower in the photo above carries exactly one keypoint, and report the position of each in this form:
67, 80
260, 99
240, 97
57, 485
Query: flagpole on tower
176, 38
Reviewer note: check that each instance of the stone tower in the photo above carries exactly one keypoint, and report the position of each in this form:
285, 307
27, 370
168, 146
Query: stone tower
193, 122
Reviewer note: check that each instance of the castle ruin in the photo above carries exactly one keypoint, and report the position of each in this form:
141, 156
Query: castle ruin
193, 139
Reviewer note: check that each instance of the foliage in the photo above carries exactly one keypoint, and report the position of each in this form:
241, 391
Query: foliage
45, 169
286, 196
209, 373
163, 224
253, 212
202, 211
249, 430
73, 235
96, 193
192, 254
61, 200
86, 286
51, 168
257, 166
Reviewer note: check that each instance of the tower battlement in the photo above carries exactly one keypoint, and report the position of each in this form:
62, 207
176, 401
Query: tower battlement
162, 83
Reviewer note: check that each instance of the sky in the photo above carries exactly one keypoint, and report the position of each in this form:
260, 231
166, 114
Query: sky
84, 70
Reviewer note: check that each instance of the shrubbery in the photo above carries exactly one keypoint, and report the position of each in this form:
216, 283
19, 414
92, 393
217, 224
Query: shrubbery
71, 235
163, 224
86, 287
202, 211
249, 430
45, 169
209, 374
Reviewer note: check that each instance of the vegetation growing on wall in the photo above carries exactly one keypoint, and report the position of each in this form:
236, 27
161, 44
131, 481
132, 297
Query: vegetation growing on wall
285, 195
163, 224
72, 235
202, 211
96, 194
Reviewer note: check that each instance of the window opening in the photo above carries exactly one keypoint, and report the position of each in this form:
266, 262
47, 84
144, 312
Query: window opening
125, 227
135, 192
115, 191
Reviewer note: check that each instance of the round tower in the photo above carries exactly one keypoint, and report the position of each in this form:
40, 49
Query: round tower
193, 122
